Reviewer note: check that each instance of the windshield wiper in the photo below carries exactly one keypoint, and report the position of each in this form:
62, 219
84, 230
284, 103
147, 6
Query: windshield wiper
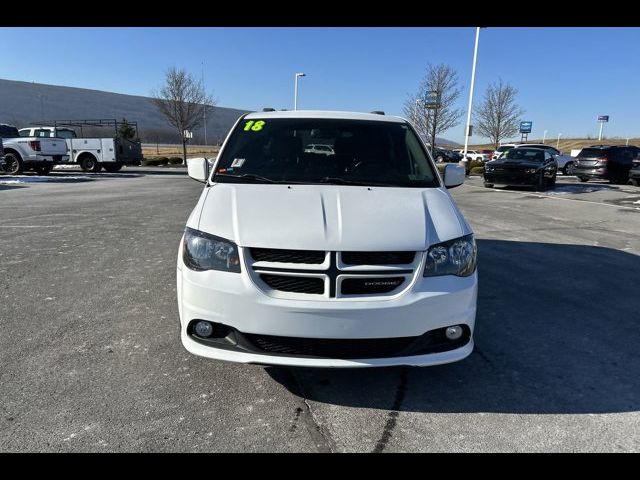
343, 181
247, 176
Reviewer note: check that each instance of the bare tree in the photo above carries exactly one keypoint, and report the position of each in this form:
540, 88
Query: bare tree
498, 114
440, 83
182, 100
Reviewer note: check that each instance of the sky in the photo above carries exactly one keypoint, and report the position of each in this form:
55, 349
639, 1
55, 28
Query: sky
565, 77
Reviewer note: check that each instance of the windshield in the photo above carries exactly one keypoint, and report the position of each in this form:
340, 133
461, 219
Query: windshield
525, 154
503, 148
358, 152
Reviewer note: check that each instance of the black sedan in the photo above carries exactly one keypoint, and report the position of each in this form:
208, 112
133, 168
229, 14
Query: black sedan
444, 155
522, 166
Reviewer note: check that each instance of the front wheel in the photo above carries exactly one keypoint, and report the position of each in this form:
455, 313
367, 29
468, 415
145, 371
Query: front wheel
552, 182
13, 164
541, 183
634, 182
89, 164
569, 168
583, 179
488, 185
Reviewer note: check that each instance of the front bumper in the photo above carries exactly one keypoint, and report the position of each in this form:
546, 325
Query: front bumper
528, 179
234, 300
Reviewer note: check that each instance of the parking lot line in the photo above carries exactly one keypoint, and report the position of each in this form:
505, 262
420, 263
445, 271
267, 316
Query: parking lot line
542, 195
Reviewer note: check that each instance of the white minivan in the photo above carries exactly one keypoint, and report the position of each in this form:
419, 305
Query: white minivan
358, 258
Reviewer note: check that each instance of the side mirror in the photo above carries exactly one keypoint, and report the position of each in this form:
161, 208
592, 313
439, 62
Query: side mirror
198, 169
453, 175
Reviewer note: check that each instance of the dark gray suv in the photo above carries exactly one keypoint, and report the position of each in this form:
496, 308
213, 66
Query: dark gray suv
606, 162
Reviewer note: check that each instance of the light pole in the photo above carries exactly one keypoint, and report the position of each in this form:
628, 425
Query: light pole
544, 136
558, 143
295, 94
204, 110
473, 77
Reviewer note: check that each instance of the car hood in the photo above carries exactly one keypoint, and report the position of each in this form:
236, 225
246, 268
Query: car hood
329, 217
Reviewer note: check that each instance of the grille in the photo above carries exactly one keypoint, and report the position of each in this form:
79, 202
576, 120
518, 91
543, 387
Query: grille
355, 286
330, 348
294, 284
287, 256
377, 258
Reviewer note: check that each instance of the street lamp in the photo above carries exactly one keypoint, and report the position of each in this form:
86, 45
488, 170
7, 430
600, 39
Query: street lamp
558, 144
473, 77
295, 94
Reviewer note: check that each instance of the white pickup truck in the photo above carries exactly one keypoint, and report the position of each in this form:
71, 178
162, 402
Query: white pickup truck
93, 154
26, 152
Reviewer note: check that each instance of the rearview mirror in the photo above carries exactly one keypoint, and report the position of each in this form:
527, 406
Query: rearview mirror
453, 175
198, 169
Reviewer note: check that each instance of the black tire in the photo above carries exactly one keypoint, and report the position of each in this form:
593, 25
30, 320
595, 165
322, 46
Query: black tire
569, 168
541, 184
112, 167
488, 185
89, 163
583, 179
13, 164
634, 182
44, 169
552, 182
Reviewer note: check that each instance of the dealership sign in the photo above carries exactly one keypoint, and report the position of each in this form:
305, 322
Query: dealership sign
603, 118
525, 127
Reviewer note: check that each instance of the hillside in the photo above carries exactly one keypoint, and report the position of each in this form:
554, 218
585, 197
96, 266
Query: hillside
568, 144
24, 102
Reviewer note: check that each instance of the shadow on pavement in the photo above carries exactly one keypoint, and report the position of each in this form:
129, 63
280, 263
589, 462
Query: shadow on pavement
557, 331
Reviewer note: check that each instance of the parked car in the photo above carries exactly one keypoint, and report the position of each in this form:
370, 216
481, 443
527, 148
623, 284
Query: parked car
522, 166
501, 149
25, 153
566, 163
93, 154
444, 155
475, 155
606, 162
358, 259
322, 149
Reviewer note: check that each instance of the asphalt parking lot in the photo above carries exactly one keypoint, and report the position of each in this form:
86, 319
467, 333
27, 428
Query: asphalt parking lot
92, 361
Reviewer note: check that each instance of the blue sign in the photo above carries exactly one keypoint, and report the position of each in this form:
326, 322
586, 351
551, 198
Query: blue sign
603, 118
525, 127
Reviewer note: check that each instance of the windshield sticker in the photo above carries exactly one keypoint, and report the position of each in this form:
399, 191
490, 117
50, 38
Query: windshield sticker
238, 162
252, 126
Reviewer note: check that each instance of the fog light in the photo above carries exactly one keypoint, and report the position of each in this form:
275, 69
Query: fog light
452, 333
203, 329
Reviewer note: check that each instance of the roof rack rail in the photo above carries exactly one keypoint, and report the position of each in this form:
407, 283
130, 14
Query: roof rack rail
268, 109
378, 112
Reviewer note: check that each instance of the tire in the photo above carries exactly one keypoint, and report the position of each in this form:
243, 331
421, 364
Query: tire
44, 169
439, 159
89, 163
13, 164
552, 182
488, 185
583, 179
569, 168
112, 167
634, 182
541, 183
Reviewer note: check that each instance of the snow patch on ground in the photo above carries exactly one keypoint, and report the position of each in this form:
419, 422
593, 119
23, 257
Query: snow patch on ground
41, 179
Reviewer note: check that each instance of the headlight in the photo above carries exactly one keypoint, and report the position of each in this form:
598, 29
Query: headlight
202, 251
455, 257
488, 168
530, 170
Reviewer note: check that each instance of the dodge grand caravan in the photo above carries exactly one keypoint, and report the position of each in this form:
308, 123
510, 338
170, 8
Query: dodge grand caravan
358, 258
